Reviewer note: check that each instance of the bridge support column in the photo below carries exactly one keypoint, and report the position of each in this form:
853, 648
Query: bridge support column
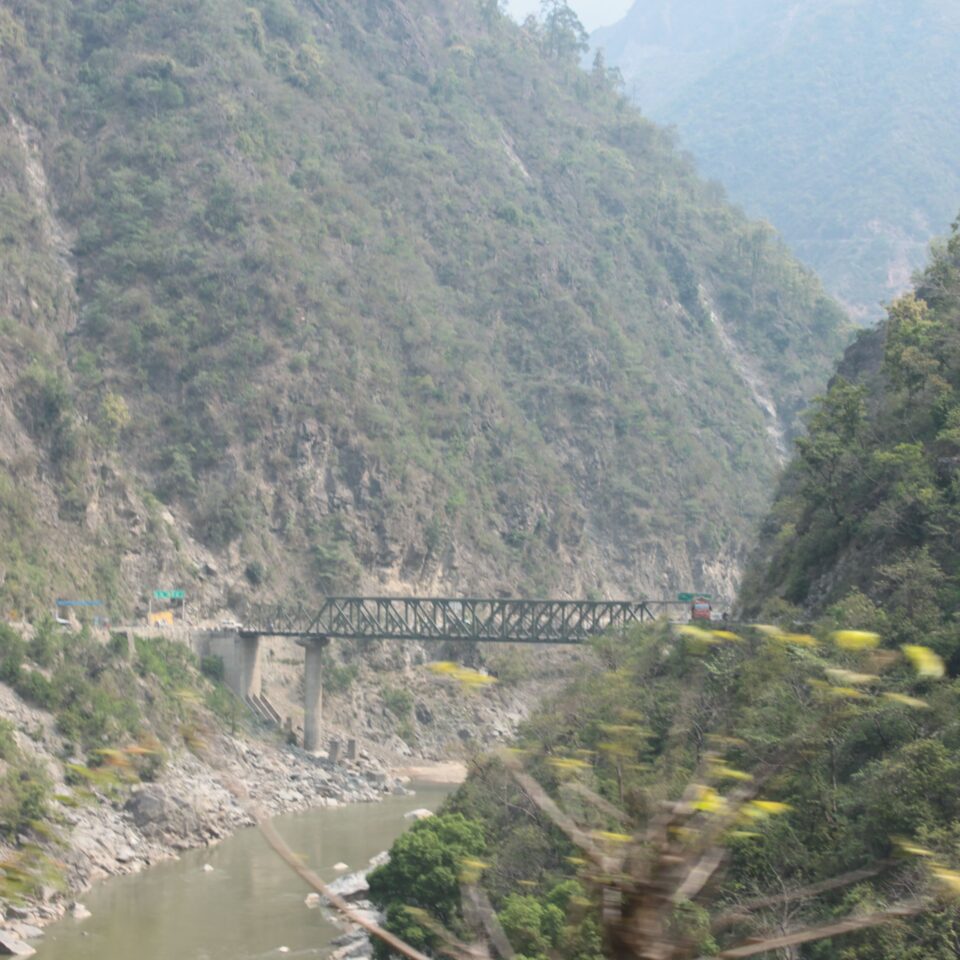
313, 694
248, 657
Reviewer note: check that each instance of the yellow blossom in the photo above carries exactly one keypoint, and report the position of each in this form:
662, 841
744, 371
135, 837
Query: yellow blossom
771, 807
696, 633
799, 639
906, 846
949, 878
906, 701
850, 693
568, 763
849, 677
855, 639
724, 772
709, 801
925, 661
611, 837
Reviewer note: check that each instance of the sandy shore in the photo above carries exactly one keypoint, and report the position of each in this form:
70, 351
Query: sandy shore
452, 772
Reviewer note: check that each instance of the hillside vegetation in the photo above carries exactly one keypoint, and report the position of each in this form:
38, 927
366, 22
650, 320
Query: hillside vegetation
298, 297
800, 775
83, 721
869, 512
833, 120
770, 783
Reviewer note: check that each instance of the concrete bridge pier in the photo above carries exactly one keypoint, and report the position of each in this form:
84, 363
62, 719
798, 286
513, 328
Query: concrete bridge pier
250, 682
313, 692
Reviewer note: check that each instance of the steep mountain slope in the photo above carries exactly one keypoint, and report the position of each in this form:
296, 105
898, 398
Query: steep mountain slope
837, 121
303, 297
868, 515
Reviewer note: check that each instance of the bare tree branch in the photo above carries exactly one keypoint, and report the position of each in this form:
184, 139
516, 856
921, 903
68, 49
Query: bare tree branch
449, 944
700, 875
604, 806
800, 893
478, 910
850, 925
540, 797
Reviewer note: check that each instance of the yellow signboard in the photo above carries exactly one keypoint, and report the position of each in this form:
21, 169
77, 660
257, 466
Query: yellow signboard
161, 617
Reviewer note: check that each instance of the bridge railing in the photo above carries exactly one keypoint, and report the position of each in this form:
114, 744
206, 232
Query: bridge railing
417, 618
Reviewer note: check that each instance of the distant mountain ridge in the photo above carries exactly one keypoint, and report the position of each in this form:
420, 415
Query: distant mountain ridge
318, 296
837, 121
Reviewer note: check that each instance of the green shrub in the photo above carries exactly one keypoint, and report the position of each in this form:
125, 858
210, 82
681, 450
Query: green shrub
35, 687
256, 573
532, 927
424, 872
47, 643
212, 668
168, 662
91, 714
226, 705
338, 678
10, 667
24, 793
119, 646
398, 702
8, 743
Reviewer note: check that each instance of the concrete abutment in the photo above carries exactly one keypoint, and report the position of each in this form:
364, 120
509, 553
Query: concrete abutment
243, 673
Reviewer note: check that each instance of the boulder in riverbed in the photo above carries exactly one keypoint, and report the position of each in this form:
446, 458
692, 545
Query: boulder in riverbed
13, 946
158, 814
351, 885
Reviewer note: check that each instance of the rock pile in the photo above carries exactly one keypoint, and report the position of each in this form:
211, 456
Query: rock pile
354, 943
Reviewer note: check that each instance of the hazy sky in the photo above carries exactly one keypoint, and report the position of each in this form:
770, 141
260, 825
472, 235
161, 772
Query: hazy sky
593, 13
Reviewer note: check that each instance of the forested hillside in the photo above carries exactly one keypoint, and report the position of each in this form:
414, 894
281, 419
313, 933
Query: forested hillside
787, 784
704, 793
303, 296
869, 512
836, 121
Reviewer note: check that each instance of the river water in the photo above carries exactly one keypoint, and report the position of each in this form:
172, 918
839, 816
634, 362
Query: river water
248, 906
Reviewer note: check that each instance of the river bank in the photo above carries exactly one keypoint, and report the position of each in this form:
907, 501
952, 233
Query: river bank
238, 900
193, 804
90, 829
452, 772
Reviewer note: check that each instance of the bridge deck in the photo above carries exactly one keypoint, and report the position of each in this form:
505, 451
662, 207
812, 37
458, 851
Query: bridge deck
439, 618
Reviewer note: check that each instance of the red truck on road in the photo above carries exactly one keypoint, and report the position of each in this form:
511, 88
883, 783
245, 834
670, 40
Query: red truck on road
701, 609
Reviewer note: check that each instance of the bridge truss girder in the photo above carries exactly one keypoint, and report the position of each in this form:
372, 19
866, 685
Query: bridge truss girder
440, 619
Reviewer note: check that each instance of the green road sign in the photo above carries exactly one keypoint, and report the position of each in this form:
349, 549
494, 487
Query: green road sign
169, 595
690, 597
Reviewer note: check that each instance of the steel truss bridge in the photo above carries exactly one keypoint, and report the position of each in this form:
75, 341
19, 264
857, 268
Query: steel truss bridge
439, 619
